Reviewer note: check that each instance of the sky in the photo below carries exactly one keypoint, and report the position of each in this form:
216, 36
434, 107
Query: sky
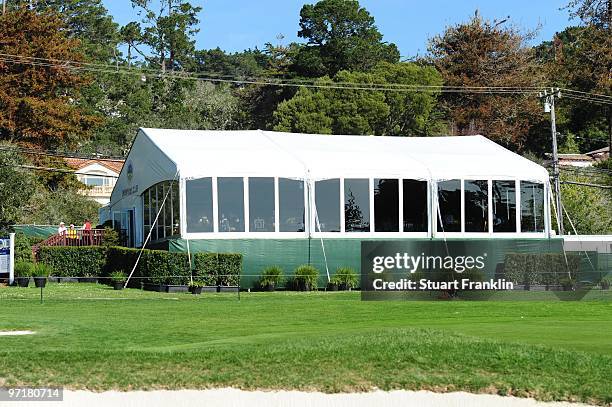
236, 25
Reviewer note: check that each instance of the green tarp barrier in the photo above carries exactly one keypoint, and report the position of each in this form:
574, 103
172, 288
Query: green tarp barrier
290, 253
40, 231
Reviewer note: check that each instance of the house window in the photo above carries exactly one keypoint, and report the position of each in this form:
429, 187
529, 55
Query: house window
532, 207
476, 206
449, 201
93, 181
386, 205
327, 201
504, 206
415, 205
199, 205
230, 193
291, 205
261, 204
356, 205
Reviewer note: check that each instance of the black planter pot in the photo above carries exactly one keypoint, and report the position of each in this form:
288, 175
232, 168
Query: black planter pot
40, 282
332, 287
154, 287
196, 290
23, 281
269, 287
118, 285
343, 287
303, 285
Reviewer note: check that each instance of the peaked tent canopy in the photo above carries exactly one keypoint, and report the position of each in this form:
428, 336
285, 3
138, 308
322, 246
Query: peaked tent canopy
200, 153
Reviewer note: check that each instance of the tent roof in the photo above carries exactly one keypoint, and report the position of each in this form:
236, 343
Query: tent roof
200, 153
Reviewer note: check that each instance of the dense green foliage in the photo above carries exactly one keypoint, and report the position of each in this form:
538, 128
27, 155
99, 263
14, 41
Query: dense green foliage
155, 266
305, 278
271, 276
541, 268
346, 276
331, 342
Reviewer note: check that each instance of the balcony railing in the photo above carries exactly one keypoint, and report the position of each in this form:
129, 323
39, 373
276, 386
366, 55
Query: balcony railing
98, 190
74, 237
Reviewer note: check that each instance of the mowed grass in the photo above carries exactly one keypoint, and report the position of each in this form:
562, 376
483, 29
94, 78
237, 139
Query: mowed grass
89, 336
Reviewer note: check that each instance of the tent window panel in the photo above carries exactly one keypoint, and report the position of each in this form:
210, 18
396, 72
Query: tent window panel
153, 192
291, 205
449, 199
356, 205
230, 194
160, 208
327, 201
415, 205
146, 216
168, 210
176, 219
532, 207
476, 206
261, 204
504, 206
199, 205
386, 205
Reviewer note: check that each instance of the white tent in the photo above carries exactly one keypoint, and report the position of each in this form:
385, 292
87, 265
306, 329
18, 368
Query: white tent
160, 155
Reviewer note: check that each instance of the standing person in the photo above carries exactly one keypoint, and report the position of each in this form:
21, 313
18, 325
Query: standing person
72, 235
87, 232
61, 230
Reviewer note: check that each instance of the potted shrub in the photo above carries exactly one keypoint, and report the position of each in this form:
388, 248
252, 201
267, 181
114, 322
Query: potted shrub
271, 277
306, 277
118, 279
567, 284
23, 272
605, 283
346, 278
195, 287
333, 284
40, 272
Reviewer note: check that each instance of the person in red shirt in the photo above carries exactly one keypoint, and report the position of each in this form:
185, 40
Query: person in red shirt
87, 232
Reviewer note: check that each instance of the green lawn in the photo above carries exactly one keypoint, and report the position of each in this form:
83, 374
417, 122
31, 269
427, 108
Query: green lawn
89, 336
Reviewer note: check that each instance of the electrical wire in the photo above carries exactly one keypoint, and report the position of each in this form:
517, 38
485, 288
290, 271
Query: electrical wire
269, 81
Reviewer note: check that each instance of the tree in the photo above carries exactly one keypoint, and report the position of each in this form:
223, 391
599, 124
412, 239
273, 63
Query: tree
357, 111
483, 53
588, 207
341, 35
16, 187
39, 104
596, 16
86, 20
168, 32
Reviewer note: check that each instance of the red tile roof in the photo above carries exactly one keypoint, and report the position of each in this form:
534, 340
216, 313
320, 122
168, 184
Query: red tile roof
111, 164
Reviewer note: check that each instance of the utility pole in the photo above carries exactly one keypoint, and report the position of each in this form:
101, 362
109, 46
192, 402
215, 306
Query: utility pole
549, 106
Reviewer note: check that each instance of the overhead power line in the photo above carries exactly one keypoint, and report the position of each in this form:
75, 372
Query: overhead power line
291, 82
61, 170
586, 184
60, 154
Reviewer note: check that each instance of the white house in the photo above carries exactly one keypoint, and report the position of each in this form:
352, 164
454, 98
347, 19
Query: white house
99, 174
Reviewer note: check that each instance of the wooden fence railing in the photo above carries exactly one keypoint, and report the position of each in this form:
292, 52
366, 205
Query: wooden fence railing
93, 237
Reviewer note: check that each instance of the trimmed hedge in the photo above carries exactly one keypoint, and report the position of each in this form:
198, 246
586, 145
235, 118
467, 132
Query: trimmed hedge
67, 261
155, 266
540, 268
217, 268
